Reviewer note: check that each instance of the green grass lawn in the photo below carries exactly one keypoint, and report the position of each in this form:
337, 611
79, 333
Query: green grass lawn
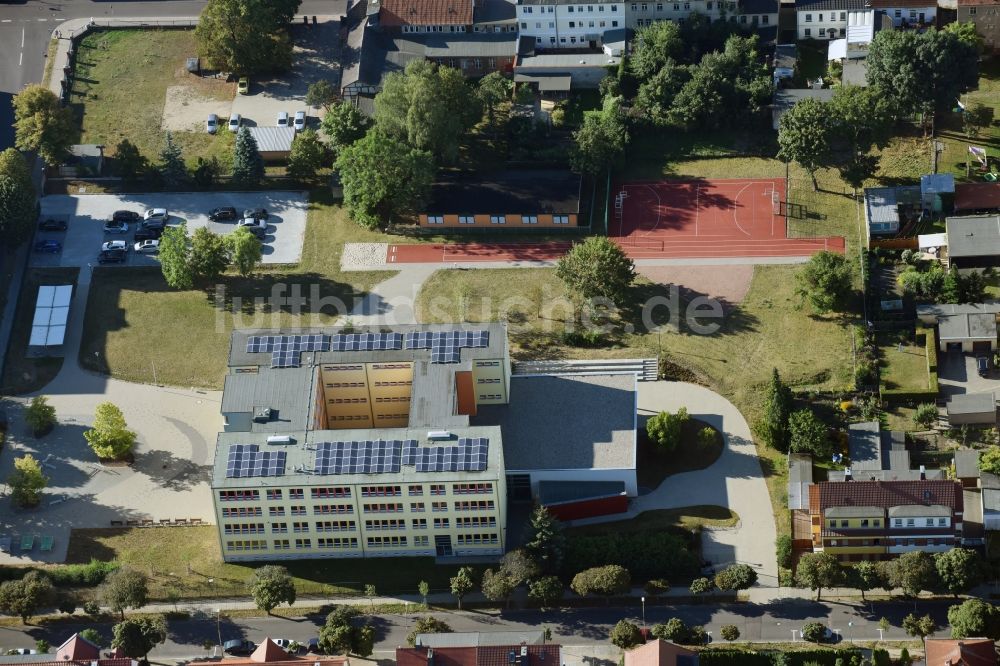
183, 560
120, 83
952, 135
653, 464
689, 517
906, 369
130, 307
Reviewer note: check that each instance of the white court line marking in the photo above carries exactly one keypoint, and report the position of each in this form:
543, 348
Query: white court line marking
697, 207
659, 204
735, 199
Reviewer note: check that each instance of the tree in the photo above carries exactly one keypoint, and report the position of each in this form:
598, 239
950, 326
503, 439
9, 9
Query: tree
674, 630
805, 135
383, 179
246, 36
736, 577
124, 588
245, 250
729, 632
493, 90
337, 634
977, 116
172, 169
519, 565
42, 646
371, 593
664, 429
92, 635
423, 588
427, 106
913, 571
427, 625
864, 576
42, 124
22, 598
653, 47
600, 142
271, 586
965, 31
925, 415
343, 124
904, 657
818, 570
308, 155
26, 481
39, 415
597, 268
860, 120
110, 437
321, 93
545, 590
498, 586
175, 257
606, 581
826, 281
128, 163
814, 632
974, 617
248, 165
544, 541
625, 635
706, 437
205, 173
701, 586
808, 434
959, 569
656, 95
783, 550
18, 200
209, 255
363, 643
919, 627
462, 584
773, 426
136, 637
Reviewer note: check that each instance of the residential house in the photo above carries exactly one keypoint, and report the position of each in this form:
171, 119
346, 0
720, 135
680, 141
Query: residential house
980, 198
523, 199
960, 652
824, 19
851, 51
569, 24
268, 652
480, 639
973, 241
786, 98
888, 209
907, 13
877, 520
879, 455
422, 16
972, 409
659, 652
986, 15
481, 655
75, 650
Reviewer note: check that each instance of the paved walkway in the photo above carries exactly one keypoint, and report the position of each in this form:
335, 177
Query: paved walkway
735, 480
393, 301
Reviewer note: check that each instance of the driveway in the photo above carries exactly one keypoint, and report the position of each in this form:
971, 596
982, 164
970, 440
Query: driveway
734, 481
957, 374
86, 214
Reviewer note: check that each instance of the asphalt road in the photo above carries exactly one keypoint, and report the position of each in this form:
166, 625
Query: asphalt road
576, 627
26, 27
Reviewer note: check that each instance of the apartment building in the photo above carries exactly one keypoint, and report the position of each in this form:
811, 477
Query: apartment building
986, 15
824, 19
877, 520
907, 12
568, 24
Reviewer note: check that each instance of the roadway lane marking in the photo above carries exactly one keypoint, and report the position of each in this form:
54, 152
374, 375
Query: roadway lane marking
6, 20
20, 58
22, 37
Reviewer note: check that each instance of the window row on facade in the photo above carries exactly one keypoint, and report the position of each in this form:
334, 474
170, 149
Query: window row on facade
277, 494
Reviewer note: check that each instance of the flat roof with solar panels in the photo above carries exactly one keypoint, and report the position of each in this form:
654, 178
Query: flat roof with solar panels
374, 456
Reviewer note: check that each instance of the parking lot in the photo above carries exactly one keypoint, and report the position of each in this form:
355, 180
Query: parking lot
86, 215
957, 374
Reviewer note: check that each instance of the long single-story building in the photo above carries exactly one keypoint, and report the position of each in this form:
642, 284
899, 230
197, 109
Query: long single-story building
973, 241
273, 143
966, 327
972, 409
977, 197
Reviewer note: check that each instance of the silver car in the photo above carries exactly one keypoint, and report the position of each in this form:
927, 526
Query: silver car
283, 119
212, 124
235, 121
300, 121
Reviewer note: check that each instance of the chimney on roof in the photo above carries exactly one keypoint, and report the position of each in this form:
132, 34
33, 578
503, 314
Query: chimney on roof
430, 656
847, 474
923, 473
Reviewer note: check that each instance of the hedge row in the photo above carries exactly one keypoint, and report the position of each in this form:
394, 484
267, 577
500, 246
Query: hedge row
66, 575
646, 555
752, 658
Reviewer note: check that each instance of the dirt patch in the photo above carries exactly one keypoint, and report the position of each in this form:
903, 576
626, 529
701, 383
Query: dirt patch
727, 283
186, 108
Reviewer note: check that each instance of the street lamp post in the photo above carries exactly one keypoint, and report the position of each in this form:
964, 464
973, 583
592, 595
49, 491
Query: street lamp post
643, 600
218, 625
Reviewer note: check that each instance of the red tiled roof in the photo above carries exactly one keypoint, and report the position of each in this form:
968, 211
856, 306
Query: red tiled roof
885, 494
78, 648
889, 4
83, 662
656, 653
977, 196
458, 656
395, 13
497, 655
268, 652
967, 652
485, 655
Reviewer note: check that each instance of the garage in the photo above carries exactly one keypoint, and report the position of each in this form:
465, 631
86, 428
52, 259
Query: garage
954, 347
981, 346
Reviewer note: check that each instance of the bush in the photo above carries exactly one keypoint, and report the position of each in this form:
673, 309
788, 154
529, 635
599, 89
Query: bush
647, 555
814, 632
732, 657
657, 586
92, 608
81, 575
926, 415
783, 549
673, 630
880, 657
729, 632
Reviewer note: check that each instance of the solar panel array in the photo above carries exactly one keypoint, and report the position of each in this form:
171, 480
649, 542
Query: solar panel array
446, 346
381, 456
366, 341
246, 460
286, 350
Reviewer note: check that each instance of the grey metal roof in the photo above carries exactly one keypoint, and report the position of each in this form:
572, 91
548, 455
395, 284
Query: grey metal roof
967, 326
864, 446
855, 72
939, 309
273, 139
914, 510
286, 391
567, 422
432, 401
800, 476
990, 484
812, 5
494, 11
785, 98
966, 463
887, 475
481, 639
852, 511
559, 492
973, 236
301, 456
546, 83
459, 45
566, 61
972, 403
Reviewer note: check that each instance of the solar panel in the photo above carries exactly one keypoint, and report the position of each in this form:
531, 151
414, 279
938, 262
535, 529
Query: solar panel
285, 350
247, 460
360, 457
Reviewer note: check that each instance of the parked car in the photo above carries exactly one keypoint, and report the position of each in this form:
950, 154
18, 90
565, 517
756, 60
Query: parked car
114, 245
148, 246
156, 214
143, 234
300, 121
238, 647
52, 225
282, 119
983, 366
115, 227
256, 213
235, 121
283, 643
111, 256
48, 247
243, 87
212, 124
258, 227
224, 213
312, 645
21, 651
124, 216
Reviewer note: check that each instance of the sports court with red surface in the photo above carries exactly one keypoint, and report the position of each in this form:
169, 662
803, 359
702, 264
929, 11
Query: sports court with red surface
707, 219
